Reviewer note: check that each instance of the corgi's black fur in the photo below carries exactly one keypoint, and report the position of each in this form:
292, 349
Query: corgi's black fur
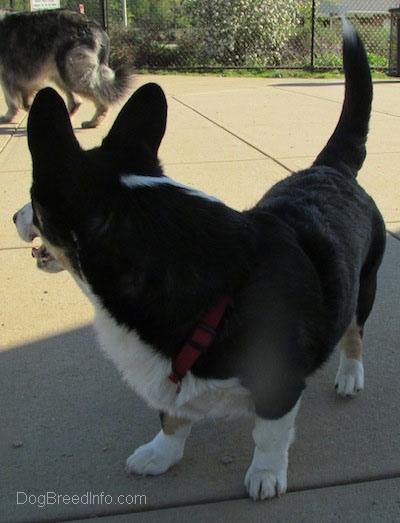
299, 268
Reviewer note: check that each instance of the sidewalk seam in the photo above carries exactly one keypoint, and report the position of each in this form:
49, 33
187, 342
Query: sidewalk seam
290, 171
387, 477
394, 235
12, 134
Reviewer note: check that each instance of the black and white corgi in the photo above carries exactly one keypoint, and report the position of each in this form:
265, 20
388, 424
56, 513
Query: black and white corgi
208, 311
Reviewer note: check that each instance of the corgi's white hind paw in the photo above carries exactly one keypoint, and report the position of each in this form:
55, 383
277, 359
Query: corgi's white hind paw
350, 377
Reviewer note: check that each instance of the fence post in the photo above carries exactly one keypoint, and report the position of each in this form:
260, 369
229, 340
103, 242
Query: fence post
124, 13
103, 11
312, 36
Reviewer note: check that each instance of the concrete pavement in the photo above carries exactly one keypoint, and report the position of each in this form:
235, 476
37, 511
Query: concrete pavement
67, 420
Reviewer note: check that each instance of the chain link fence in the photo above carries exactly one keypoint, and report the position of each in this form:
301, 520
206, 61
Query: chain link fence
220, 34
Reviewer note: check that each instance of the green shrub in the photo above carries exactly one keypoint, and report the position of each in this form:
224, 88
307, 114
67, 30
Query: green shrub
242, 32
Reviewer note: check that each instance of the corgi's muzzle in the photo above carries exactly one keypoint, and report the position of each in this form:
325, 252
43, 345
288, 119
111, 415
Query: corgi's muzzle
27, 231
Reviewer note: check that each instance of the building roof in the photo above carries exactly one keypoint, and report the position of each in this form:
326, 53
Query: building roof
342, 7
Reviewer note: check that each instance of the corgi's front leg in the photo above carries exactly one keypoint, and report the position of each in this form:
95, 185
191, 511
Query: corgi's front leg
164, 451
266, 476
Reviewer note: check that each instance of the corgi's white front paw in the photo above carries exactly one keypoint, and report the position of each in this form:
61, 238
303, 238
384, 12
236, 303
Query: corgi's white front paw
157, 456
265, 484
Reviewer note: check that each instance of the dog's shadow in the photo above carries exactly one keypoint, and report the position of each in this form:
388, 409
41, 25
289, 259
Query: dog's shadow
64, 408
20, 132
14, 132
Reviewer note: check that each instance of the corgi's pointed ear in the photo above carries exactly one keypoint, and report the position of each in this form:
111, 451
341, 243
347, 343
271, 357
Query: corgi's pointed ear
51, 138
143, 118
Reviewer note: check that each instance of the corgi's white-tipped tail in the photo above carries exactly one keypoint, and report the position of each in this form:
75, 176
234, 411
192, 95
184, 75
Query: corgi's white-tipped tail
349, 33
345, 149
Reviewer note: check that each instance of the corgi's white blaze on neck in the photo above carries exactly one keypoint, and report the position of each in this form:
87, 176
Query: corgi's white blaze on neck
136, 181
146, 371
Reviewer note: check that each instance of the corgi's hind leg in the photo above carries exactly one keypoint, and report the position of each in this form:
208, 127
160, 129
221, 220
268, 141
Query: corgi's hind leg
350, 375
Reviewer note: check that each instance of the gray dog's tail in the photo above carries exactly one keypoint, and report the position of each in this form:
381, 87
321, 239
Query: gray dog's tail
111, 86
85, 71
345, 149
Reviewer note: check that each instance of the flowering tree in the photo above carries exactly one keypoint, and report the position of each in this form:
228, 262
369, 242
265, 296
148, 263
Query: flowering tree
238, 32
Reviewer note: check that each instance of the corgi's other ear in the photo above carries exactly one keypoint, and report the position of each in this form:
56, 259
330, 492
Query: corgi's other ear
51, 139
141, 122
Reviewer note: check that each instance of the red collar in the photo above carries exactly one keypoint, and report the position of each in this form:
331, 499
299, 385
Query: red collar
200, 340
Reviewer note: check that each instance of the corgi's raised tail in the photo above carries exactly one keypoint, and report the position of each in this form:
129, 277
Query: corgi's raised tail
346, 149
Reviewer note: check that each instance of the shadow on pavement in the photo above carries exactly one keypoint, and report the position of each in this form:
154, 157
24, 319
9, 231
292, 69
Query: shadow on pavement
69, 422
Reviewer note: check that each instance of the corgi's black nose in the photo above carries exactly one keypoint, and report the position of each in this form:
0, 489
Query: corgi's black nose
15, 217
